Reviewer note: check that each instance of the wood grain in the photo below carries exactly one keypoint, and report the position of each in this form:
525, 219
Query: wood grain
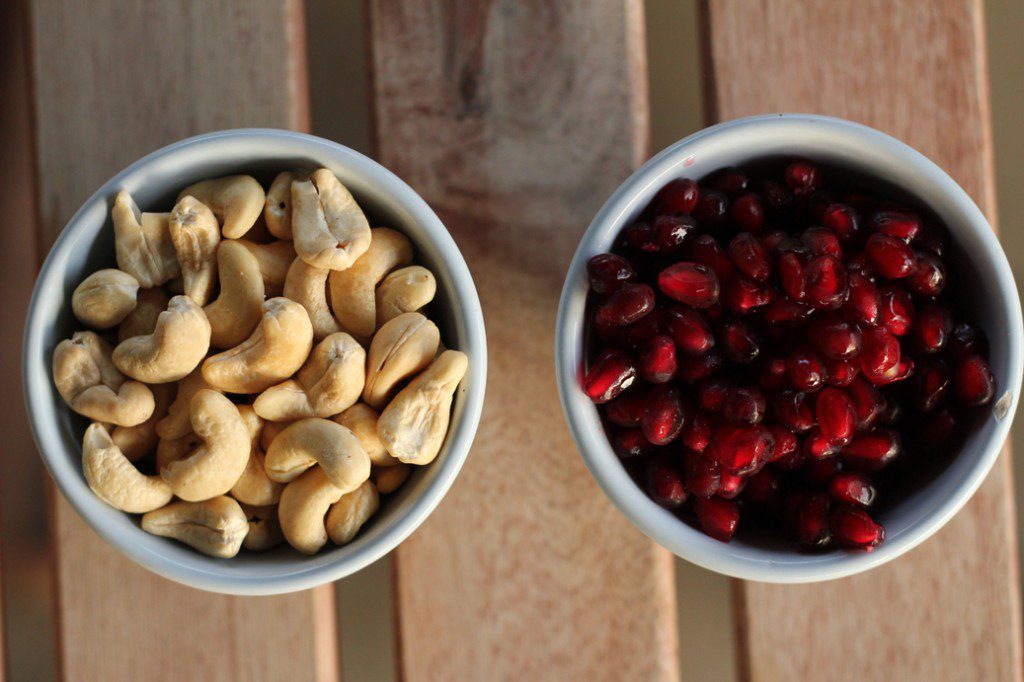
950, 608
114, 80
515, 121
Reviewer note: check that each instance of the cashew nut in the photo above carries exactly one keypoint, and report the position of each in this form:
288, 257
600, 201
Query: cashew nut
142, 319
238, 308
212, 468
304, 504
93, 387
400, 349
236, 201
390, 479
274, 258
104, 298
414, 424
115, 480
329, 382
138, 441
361, 419
278, 209
264, 528
175, 348
142, 243
195, 235
176, 424
254, 487
318, 441
352, 290
307, 285
404, 291
348, 514
328, 227
270, 431
215, 527
175, 286
169, 450
278, 347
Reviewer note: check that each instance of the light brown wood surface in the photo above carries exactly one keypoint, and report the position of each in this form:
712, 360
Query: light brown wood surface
515, 121
114, 80
949, 609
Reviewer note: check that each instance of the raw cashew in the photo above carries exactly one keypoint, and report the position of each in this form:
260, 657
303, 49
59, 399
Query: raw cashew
400, 349
304, 504
270, 431
104, 298
215, 527
142, 319
264, 528
318, 441
175, 348
352, 290
176, 424
414, 425
278, 347
361, 419
307, 285
93, 387
138, 441
329, 382
115, 480
254, 487
348, 514
142, 243
212, 468
328, 227
274, 258
278, 209
169, 450
390, 479
195, 235
236, 200
238, 308
404, 291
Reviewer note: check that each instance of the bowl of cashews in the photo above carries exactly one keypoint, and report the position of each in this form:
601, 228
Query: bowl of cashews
254, 361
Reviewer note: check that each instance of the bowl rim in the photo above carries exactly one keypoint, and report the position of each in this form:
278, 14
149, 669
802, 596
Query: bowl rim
68, 476
659, 524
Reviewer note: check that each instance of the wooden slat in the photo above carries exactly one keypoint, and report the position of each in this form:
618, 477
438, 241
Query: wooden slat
515, 121
114, 80
949, 609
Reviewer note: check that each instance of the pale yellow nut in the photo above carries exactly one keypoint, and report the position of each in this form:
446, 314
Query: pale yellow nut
330, 381
307, 285
274, 258
304, 504
236, 201
196, 236
404, 291
259, 232
278, 208
353, 297
216, 527
264, 528
104, 298
275, 351
361, 419
176, 347
318, 441
348, 514
213, 467
253, 486
169, 450
140, 440
142, 243
176, 424
115, 480
390, 479
329, 229
270, 431
92, 386
142, 319
239, 306
400, 349
414, 425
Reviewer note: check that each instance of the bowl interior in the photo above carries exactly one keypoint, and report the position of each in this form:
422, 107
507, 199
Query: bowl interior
87, 245
977, 259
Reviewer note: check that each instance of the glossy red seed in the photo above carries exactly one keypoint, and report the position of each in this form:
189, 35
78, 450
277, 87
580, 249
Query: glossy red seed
974, 382
646, 328
818, 472
842, 220
607, 272
934, 328
665, 484
762, 488
731, 181
822, 242
967, 340
741, 296
693, 368
872, 449
626, 305
890, 257
880, 353
812, 523
697, 433
712, 394
744, 405
864, 303
852, 488
840, 372
718, 517
776, 196
690, 331
794, 410
897, 311
773, 375
705, 250
903, 369
740, 343
791, 276
786, 441
731, 486
656, 361
631, 444
868, 402
818, 203
803, 177
613, 372
826, 283
743, 449
628, 409
817, 446
678, 196
665, 416
712, 207
805, 371
929, 276
669, 232
785, 312
638, 237
901, 225
694, 284
748, 212
834, 337
750, 257
837, 418
932, 383
852, 527
702, 475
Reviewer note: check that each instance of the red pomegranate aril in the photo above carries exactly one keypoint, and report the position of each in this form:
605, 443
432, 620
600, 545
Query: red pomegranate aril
897, 311
805, 371
776, 196
694, 284
818, 203
938, 429
669, 232
822, 242
665, 416
793, 409
656, 361
702, 475
638, 237
731, 181
740, 342
852, 488
762, 488
890, 256
711, 207
864, 303
934, 327
748, 212
818, 472
773, 375
835, 338
872, 449
744, 405
785, 312
842, 220
741, 295
853, 528
794, 461
626, 305
643, 330
974, 382
880, 353
609, 334
903, 369
812, 522
929, 276
612, 373
705, 250
840, 373
631, 443
837, 418
817, 446
931, 385
868, 402
731, 485
693, 368
967, 340
718, 517
826, 283
665, 484
791, 275
743, 449
786, 441
607, 272
697, 433
690, 331
903, 226
750, 257
628, 409
678, 196
712, 394
803, 177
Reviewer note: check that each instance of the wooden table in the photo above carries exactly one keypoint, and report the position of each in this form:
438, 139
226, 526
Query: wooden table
514, 120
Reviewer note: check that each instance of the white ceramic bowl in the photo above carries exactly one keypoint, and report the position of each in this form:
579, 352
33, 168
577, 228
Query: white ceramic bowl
86, 244
977, 258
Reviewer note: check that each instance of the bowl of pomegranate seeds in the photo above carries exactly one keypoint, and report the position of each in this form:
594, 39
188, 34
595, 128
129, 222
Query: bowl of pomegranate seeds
789, 348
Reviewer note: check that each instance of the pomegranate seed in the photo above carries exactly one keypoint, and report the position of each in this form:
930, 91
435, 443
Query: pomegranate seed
665, 484
818, 203
748, 212
903, 226
743, 449
741, 295
929, 276
608, 272
791, 274
932, 240
668, 232
702, 475
817, 446
740, 342
678, 196
706, 251
626, 305
628, 409
791, 462
744, 405
861, 202
842, 220
749, 257
776, 196
731, 181
690, 330
868, 403
612, 373
934, 328
938, 429
864, 304
897, 311
638, 236
657, 360
665, 416
872, 449
835, 338
892, 414
731, 486
694, 284
646, 328
773, 375
711, 208
694, 368
890, 257
822, 242
803, 177
974, 382
852, 488
785, 312
818, 472
793, 410
717, 517
772, 240
967, 340
631, 444
762, 488
812, 523
901, 371
805, 371
712, 395
786, 441
852, 527
880, 353
931, 385
840, 373
697, 433
836, 415
826, 282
